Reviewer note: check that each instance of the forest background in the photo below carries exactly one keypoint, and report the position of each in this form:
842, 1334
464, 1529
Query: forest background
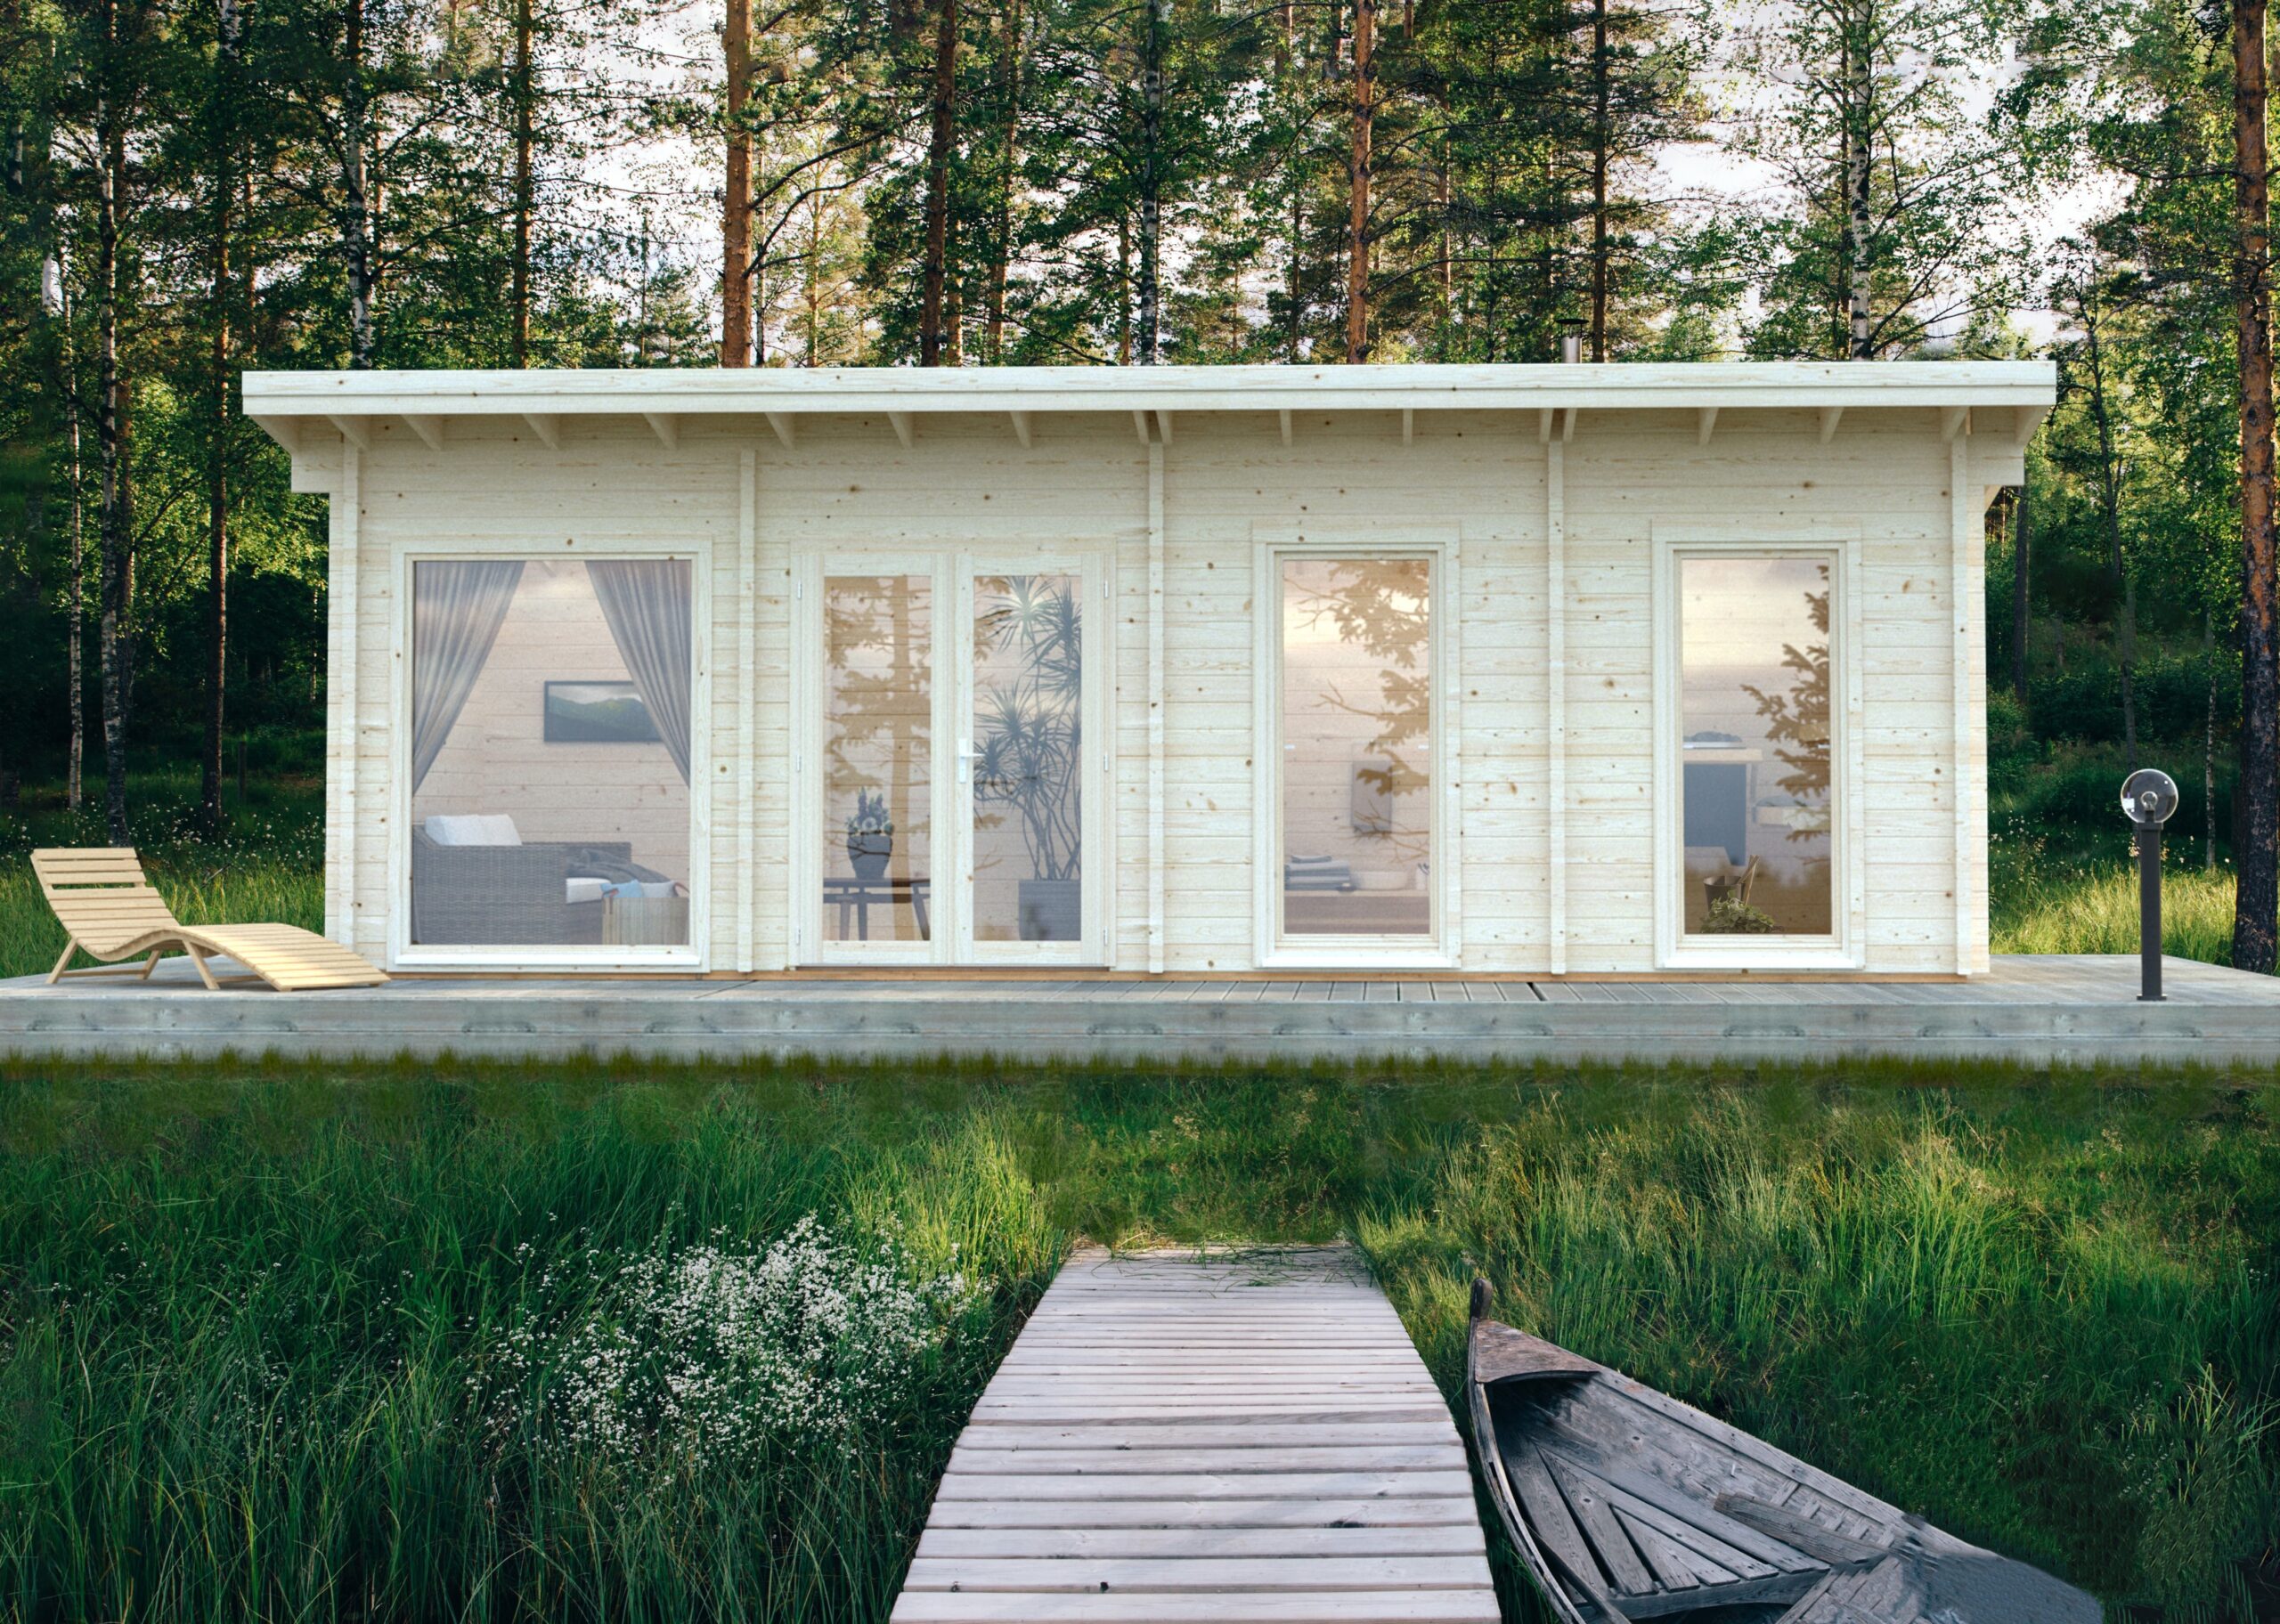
195, 187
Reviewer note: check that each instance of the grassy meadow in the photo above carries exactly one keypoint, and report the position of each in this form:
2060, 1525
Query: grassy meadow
299, 1341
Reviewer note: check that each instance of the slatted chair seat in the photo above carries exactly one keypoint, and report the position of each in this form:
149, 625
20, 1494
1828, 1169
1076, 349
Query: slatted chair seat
110, 911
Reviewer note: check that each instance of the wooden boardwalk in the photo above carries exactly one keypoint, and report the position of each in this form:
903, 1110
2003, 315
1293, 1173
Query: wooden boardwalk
2034, 1009
1242, 1436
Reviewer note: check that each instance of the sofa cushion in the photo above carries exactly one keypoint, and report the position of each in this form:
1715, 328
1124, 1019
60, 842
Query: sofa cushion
472, 829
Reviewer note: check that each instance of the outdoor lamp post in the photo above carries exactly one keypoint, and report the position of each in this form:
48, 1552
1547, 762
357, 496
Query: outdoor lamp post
2148, 796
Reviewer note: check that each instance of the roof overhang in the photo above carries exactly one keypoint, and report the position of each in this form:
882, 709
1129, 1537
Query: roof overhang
294, 407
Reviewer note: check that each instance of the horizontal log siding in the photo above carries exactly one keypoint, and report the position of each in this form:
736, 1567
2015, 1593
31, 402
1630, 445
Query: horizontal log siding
847, 483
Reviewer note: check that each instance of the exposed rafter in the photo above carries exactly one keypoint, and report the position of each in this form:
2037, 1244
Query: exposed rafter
782, 422
665, 426
1830, 416
903, 430
1285, 415
1164, 425
1021, 428
430, 430
357, 431
1954, 421
1409, 426
1140, 424
1706, 420
547, 426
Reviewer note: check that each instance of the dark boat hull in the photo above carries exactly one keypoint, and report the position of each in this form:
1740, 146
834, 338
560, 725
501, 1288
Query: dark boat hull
1626, 1504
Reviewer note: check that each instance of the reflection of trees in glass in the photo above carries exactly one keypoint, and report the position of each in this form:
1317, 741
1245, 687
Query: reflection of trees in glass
1796, 721
878, 708
1381, 606
1028, 646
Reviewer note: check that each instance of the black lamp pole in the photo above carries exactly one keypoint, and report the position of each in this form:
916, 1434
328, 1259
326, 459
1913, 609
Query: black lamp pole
2148, 796
2149, 914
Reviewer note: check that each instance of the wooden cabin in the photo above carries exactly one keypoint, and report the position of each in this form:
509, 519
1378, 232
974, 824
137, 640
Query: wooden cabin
1564, 670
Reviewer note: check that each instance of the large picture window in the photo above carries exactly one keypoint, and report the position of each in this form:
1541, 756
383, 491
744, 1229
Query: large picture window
550, 753
1356, 734
1756, 764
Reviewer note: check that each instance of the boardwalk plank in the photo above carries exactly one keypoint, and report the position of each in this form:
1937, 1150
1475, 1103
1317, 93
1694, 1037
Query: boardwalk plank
1173, 1431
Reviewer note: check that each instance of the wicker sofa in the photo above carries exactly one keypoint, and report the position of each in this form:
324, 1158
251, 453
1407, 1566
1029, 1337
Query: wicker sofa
511, 895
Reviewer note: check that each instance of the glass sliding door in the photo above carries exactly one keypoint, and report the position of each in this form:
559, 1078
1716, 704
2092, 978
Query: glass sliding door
952, 772
550, 754
877, 769
1354, 738
1756, 781
1023, 746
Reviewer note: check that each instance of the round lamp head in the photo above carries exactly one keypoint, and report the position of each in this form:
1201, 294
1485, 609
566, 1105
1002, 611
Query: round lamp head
2149, 796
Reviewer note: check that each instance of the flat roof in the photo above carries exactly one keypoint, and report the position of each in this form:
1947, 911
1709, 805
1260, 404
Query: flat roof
281, 397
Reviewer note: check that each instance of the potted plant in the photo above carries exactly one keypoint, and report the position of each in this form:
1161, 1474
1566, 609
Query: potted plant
870, 837
1029, 745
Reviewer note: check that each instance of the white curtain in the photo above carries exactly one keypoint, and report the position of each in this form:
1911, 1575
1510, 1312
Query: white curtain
457, 609
649, 605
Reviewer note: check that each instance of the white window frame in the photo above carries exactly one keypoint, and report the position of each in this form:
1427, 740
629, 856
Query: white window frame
1441, 947
403, 953
1843, 948
953, 571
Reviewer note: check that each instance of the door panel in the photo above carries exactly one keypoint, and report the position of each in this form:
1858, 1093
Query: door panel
877, 769
949, 753
1023, 742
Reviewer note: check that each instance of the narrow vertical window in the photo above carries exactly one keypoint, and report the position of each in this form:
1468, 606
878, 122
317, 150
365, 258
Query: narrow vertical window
1357, 742
1756, 784
878, 788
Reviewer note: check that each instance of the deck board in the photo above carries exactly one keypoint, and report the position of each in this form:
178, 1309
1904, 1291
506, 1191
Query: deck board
1176, 1437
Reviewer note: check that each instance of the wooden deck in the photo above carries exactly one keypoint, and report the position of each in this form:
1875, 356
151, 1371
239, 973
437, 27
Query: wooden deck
1243, 1435
2035, 1010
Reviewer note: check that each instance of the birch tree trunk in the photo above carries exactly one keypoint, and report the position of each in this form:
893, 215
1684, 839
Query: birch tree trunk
1003, 249
1857, 84
735, 199
524, 117
2110, 503
229, 45
2256, 904
1601, 135
1152, 183
356, 251
115, 514
943, 128
2021, 561
1357, 228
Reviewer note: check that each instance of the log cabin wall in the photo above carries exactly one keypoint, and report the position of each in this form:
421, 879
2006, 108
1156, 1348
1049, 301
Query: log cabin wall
1553, 627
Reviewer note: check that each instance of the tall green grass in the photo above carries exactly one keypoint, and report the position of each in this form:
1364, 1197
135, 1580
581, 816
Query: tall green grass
248, 1313
2074, 911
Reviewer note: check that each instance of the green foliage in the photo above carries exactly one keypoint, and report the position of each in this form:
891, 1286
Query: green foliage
254, 1313
1731, 916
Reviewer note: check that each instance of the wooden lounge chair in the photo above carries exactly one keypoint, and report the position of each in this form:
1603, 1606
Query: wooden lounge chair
113, 912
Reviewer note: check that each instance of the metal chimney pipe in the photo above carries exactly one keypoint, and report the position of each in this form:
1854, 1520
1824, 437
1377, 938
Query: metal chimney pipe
1571, 345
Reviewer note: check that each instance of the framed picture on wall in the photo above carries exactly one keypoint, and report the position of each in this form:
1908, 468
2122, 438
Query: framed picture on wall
597, 713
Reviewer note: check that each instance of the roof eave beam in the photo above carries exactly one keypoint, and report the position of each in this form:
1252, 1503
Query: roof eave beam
430, 430
904, 430
1021, 428
1285, 415
782, 422
547, 426
1830, 417
1954, 421
666, 427
357, 431
1708, 420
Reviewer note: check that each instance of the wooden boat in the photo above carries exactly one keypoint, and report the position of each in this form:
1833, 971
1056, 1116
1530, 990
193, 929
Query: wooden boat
1626, 1504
